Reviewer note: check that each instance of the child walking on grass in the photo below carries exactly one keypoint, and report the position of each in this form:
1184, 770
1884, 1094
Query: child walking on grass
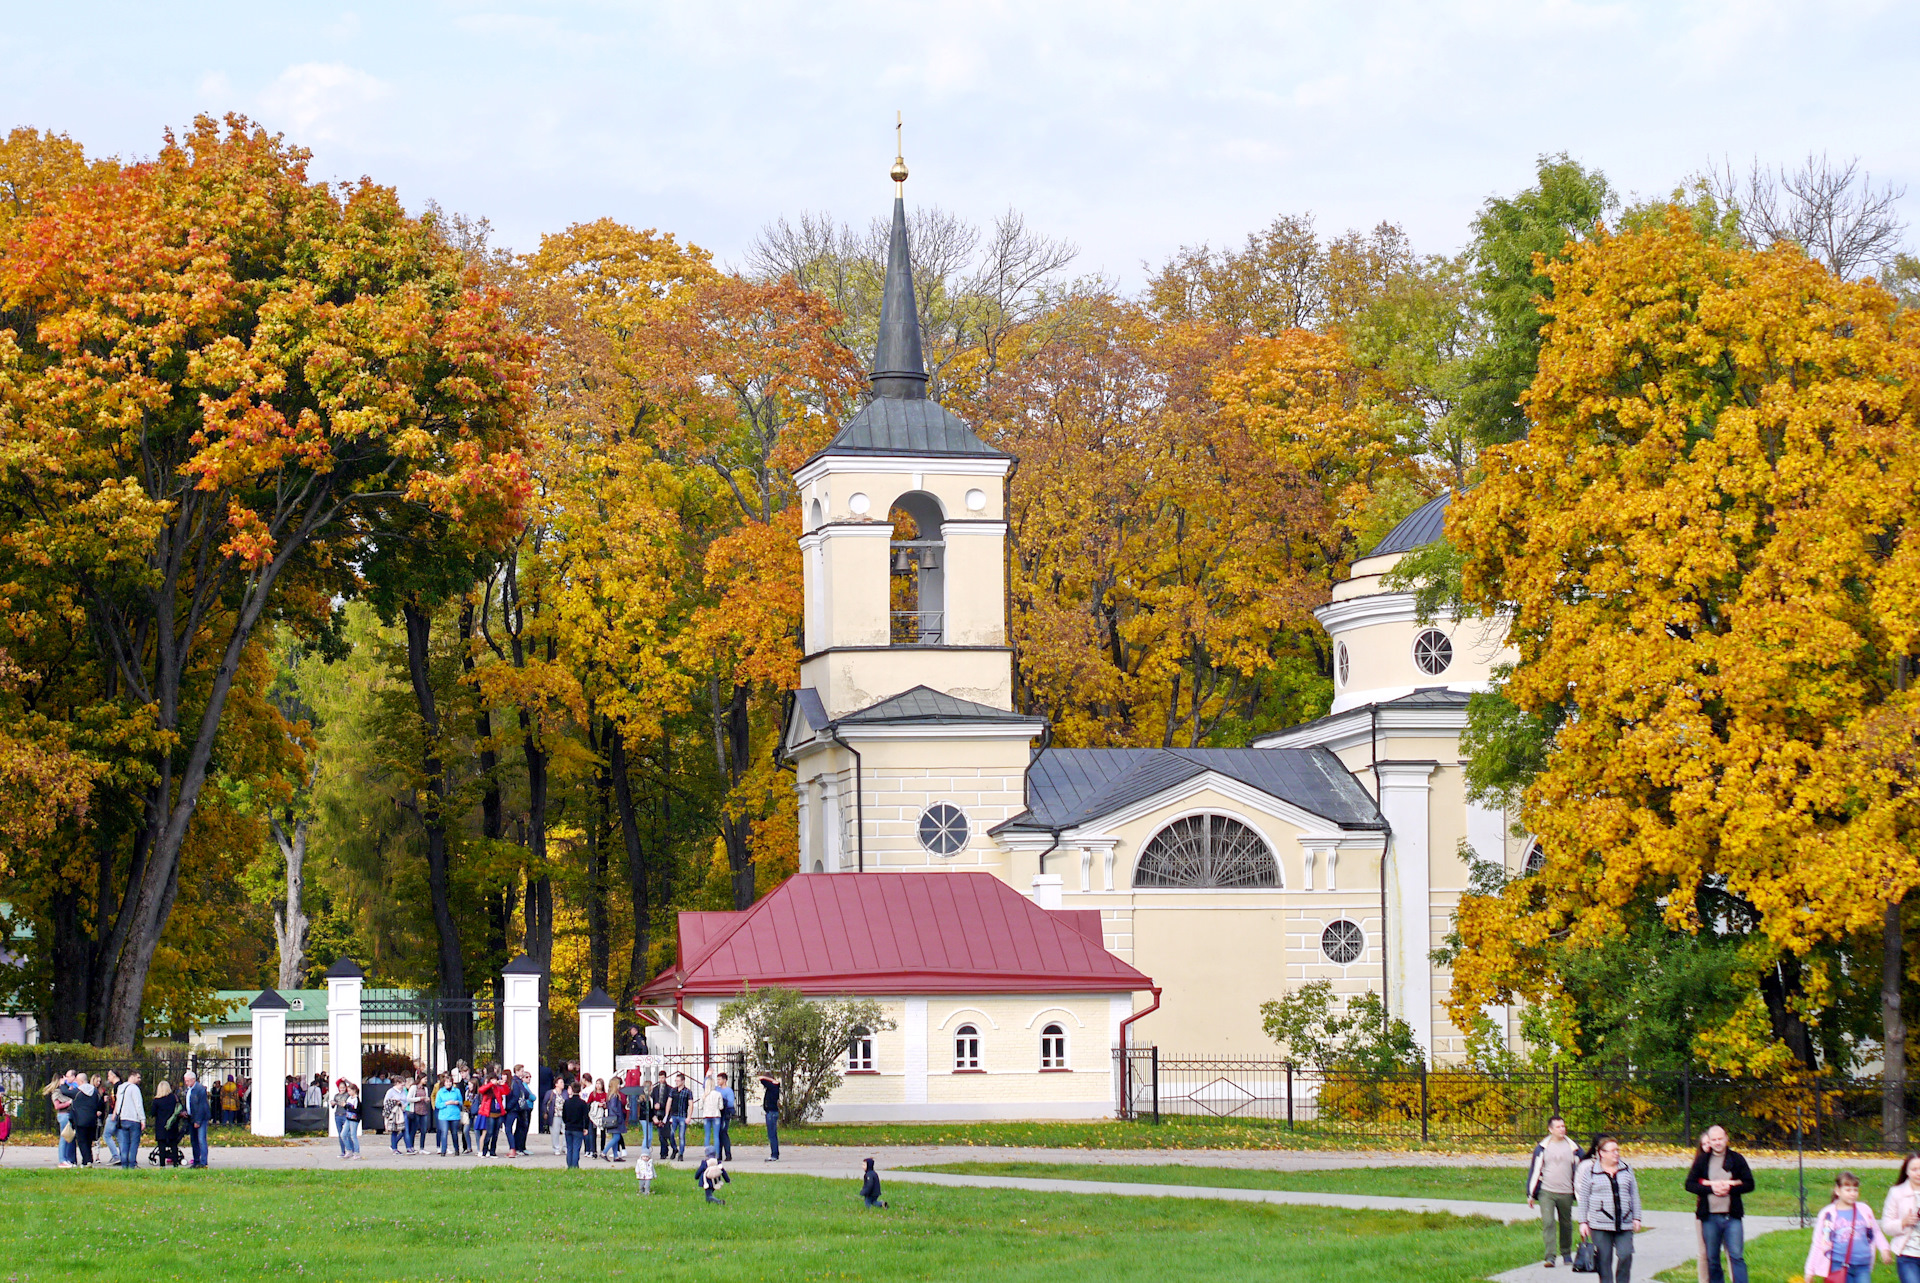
643, 1171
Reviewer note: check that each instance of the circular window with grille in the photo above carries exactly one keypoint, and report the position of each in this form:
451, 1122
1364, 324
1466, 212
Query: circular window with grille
1343, 942
1206, 851
1432, 652
943, 829
1340, 662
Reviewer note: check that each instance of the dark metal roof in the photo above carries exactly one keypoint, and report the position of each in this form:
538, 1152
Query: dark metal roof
899, 419
596, 1000
344, 969
1069, 786
1423, 526
898, 370
925, 705
523, 966
269, 1000
887, 425
1428, 697
812, 708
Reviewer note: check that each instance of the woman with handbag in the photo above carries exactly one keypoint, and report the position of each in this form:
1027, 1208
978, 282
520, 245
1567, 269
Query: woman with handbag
1900, 1219
1846, 1236
1610, 1211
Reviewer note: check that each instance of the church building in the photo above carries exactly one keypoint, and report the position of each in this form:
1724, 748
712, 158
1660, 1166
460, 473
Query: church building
1219, 878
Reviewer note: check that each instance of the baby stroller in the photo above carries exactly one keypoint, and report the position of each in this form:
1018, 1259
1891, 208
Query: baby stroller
166, 1149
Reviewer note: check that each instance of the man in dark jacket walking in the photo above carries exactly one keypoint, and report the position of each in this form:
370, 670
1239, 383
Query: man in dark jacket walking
576, 1118
1717, 1179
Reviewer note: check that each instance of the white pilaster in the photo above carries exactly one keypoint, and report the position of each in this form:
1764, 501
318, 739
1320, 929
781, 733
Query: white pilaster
913, 1026
1487, 832
1404, 797
596, 1035
1306, 863
803, 803
520, 1040
830, 827
345, 981
269, 1064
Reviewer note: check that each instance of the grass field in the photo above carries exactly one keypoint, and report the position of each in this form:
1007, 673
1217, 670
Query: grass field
1659, 1187
368, 1225
1771, 1258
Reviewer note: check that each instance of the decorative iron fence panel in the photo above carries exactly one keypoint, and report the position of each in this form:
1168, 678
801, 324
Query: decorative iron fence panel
1467, 1106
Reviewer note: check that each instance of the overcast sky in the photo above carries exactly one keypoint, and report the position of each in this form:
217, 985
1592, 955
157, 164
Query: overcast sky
1128, 128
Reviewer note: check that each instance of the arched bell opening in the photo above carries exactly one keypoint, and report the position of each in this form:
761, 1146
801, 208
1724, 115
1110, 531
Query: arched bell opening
917, 589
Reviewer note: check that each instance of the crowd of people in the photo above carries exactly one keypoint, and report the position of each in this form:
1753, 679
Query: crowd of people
1593, 1193
117, 1112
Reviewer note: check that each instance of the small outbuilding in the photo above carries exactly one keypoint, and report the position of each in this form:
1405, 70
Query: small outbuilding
1001, 1006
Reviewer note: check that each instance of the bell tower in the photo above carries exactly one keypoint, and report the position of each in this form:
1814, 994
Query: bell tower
905, 747
904, 520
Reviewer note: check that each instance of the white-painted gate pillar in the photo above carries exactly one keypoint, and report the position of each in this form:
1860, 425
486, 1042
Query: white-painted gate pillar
270, 1064
345, 981
520, 1040
596, 1035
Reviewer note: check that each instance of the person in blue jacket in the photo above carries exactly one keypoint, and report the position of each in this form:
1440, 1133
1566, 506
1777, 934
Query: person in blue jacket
199, 1115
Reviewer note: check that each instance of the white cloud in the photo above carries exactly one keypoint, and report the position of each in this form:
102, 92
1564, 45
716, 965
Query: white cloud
325, 102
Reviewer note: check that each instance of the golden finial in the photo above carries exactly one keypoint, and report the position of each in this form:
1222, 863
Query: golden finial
899, 170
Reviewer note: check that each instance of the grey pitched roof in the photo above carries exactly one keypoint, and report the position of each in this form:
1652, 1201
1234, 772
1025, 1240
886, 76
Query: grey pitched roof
1428, 697
890, 425
923, 704
1069, 786
1424, 525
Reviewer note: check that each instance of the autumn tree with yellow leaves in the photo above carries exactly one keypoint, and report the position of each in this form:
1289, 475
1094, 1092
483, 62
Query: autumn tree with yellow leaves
1706, 546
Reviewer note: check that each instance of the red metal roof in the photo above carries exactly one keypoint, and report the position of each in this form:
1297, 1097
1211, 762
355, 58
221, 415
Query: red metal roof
895, 933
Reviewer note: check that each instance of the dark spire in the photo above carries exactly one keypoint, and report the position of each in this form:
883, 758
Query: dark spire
899, 371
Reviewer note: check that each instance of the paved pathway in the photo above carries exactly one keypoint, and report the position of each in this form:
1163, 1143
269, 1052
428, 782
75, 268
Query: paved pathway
1668, 1240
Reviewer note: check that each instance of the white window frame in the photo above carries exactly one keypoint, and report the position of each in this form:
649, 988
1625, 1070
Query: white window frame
860, 1050
966, 1048
1054, 1032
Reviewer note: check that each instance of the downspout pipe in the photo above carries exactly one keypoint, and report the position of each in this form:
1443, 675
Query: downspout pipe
859, 799
1148, 1011
1386, 847
1051, 848
706, 1034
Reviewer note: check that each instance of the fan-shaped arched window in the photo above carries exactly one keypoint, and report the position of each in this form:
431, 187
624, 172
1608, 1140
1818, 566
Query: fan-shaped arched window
966, 1047
1206, 851
1053, 1047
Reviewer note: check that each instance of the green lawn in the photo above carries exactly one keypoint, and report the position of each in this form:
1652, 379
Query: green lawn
1659, 1187
499, 1225
1771, 1258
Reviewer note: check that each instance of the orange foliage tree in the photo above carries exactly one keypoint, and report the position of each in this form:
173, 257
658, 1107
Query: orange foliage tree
219, 382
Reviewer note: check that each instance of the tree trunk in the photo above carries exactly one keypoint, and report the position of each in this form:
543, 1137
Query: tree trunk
432, 812
493, 830
733, 740
1893, 1030
539, 931
153, 880
618, 767
1779, 986
289, 918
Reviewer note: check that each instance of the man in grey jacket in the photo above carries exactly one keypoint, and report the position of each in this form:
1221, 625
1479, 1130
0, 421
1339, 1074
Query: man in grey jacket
131, 1111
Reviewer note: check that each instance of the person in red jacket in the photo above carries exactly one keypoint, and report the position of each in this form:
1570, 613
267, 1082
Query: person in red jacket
493, 1112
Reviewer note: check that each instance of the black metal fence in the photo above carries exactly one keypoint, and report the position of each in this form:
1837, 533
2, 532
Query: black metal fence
1469, 1106
27, 1071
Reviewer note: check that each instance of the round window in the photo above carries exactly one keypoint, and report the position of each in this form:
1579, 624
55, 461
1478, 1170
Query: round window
943, 829
1342, 942
1340, 662
1433, 652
